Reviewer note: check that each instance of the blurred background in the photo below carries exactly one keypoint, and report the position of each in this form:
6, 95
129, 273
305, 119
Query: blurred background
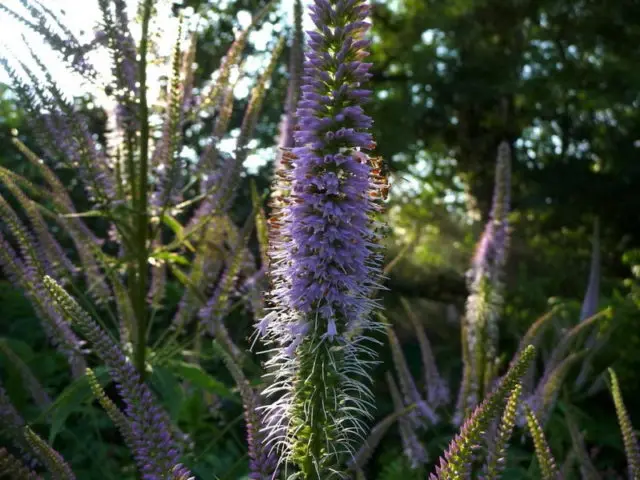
559, 80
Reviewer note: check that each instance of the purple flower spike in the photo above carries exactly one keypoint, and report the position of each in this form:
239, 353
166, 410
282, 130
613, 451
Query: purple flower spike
328, 219
491, 252
484, 304
324, 255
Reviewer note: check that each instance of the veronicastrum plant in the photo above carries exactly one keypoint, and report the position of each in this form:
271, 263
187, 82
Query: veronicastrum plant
168, 218
325, 260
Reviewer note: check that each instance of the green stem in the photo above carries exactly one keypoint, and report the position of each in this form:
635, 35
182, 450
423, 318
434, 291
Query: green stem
140, 301
317, 383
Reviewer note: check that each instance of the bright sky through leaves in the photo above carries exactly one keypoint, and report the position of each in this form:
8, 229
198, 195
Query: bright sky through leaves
83, 17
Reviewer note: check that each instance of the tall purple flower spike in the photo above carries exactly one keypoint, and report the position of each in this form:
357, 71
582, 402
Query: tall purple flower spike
331, 242
325, 262
491, 252
480, 330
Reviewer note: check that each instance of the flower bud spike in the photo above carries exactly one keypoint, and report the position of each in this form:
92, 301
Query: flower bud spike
631, 446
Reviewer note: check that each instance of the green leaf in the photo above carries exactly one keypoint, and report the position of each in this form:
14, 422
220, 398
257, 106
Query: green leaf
180, 275
176, 227
89, 213
71, 400
171, 257
167, 383
198, 377
20, 348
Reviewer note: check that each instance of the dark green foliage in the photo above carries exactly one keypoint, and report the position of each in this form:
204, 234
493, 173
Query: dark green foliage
398, 466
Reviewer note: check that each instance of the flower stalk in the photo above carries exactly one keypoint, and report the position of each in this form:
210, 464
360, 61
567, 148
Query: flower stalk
139, 285
480, 330
325, 263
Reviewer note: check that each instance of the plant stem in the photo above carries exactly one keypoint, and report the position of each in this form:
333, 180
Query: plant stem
142, 214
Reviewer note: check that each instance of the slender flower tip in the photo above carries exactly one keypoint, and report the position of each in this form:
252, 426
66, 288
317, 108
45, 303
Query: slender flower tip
502, 192
491, 251
591, 297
